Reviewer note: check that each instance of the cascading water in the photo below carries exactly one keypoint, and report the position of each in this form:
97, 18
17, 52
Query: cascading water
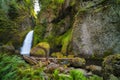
25, 49
36, 6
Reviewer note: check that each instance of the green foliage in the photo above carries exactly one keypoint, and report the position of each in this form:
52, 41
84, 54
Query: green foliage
51, 3
65, 77
95, 77
56, 74
39, 32
14, 68
7, 27
112, 77
59, 1
74, 75
118, 1
66, 39
60, 40
77, 75
12, 12
14, 15
5, 4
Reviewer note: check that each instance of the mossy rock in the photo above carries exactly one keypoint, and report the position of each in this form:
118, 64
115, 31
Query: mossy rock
41, 49
111, 65
8, 48
57, 55
78, 62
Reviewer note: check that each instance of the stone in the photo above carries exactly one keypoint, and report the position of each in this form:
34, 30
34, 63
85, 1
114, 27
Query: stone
51, 67
111, 65
96, 35
41, 49
30, 60
77, 62
95, 69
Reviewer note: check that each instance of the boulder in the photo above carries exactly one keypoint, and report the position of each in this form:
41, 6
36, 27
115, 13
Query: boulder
95, 69
96, 33
51, 67
41, 49
77, 62
111, 65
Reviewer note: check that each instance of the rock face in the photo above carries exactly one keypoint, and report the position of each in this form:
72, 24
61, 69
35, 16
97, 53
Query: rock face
55, 25
42, 50
95, 31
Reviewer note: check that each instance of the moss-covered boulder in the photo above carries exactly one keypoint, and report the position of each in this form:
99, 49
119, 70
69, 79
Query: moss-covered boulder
111, 65
78, 62
41, 49
57, 55
95, 29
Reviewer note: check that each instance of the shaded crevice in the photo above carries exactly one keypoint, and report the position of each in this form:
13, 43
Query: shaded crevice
62, 14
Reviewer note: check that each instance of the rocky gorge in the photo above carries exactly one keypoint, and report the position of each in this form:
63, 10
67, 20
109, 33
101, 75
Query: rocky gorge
80, 35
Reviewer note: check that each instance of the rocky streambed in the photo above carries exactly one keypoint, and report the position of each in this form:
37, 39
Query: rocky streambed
64, 65
89, 67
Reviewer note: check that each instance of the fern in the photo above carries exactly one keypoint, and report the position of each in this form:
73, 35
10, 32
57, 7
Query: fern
77, 75
14, 68
95, 77
56, 74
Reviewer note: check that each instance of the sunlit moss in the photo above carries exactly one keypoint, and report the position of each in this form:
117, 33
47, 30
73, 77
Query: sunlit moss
65, 41
57, 55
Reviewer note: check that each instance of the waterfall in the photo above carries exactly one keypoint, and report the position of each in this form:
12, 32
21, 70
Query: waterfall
36, 6
25, 49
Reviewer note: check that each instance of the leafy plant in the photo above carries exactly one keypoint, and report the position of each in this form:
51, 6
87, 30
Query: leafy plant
74, 75
14, 68
95, 77
56, 74
77, 75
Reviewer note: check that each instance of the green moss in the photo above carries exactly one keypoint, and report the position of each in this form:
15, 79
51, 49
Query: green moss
65, 41
40, 52
57, 55
51, 40
44, 45
39, 32
41, 49
62, 40
51, 3
7, 28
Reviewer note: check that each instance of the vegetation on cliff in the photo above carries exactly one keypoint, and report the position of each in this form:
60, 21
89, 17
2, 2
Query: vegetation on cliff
16, 18
59, 30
